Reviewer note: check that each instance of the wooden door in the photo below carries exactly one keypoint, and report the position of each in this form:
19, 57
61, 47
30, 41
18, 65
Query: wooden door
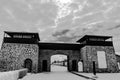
28, 64
74, 65
44, 65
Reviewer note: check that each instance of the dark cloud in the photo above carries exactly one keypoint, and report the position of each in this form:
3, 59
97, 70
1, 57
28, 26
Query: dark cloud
84, 29
99, 26
116, 27
74, 6
73, 37
60, 33
68, 39
62, 37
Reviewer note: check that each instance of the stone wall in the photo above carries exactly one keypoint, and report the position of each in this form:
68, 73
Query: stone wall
89, 54
118, 60
46, 55
13, 55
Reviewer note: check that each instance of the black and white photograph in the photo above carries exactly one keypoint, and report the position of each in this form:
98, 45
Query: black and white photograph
59, 39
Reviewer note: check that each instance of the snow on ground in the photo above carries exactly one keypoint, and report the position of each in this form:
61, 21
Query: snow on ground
57, 73
61, 73
103, 76
55, 68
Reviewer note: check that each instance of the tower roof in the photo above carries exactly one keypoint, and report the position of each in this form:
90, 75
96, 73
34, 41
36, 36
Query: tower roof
93, 36
33, 35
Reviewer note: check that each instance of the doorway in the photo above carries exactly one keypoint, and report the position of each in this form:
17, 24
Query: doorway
44, 65
74, 65
28, 64
118, 65
59, 63
80, 66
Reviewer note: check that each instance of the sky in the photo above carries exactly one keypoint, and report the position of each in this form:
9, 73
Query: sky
62, 20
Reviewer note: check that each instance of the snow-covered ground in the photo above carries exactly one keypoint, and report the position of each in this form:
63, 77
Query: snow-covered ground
55, 68
61, 73
57, 73
102, 76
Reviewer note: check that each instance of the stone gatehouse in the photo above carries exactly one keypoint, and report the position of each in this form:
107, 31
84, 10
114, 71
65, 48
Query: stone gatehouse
23, 49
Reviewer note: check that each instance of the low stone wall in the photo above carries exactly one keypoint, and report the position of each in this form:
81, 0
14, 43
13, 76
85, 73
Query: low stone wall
22, 73
13, 75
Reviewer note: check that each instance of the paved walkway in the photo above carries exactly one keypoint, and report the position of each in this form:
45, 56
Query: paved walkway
57, 73
101, 76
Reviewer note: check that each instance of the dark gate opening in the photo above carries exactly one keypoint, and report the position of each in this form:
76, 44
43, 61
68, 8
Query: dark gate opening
44, 65
74, 65
28, 64
68, 67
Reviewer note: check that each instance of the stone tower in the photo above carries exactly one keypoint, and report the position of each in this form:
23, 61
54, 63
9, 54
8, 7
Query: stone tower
99, 49
19, 49
23, 50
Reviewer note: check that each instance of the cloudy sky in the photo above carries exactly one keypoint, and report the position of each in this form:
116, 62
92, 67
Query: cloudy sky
62, 20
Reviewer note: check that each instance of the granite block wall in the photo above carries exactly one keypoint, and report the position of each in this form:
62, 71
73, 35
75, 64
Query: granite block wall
89, 54
13, 55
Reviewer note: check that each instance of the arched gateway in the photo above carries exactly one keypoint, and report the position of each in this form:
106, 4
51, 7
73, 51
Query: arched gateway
21, 48
45, 56
28, 64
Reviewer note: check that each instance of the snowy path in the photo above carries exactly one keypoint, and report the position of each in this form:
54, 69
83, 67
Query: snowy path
103, 76
58, 73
